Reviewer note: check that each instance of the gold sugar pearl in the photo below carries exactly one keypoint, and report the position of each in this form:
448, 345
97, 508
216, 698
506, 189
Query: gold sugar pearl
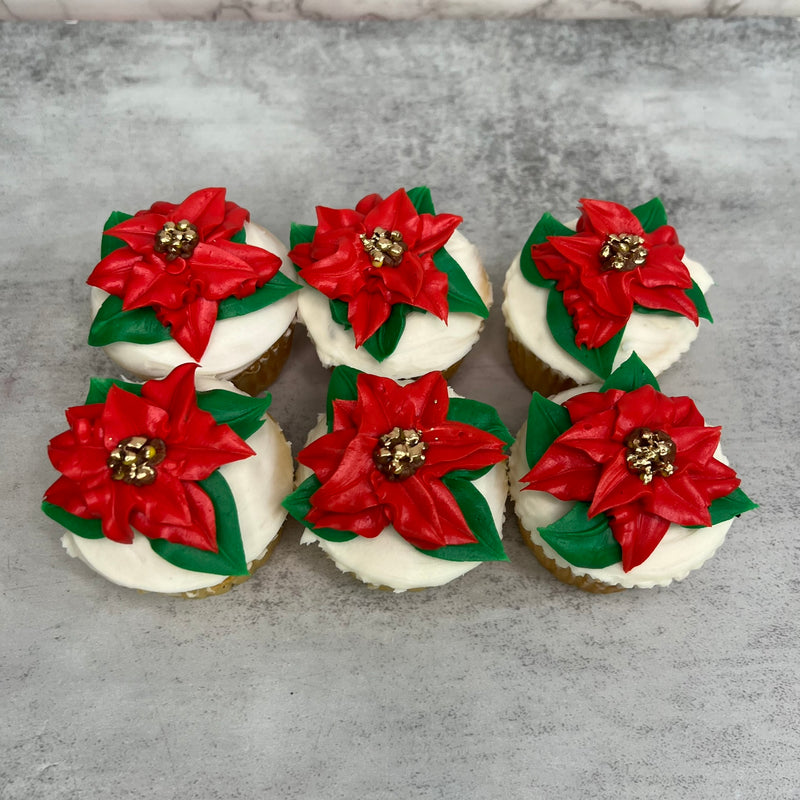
385, 248
622, 252
177, 240
134, 459
399, 453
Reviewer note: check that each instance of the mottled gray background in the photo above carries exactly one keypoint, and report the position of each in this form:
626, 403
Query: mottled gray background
265, 10
303, 683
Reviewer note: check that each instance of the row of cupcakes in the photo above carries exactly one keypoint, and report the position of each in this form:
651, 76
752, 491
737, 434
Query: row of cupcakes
181, 484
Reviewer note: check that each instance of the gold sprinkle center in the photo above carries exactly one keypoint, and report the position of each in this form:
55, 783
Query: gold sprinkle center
177, 240
622, 252
134, 460
399, 453
384, 248
650, 453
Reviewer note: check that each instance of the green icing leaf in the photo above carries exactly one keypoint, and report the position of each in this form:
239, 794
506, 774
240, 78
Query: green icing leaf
695, 294
582, 541
461, 294
599, 360
299, 234
478, 516
230, 559
112, 324
383, 342
141, 326
240, 237
108, 243
87, 528
420, 198
732, 505
546, 422
728, 507
298, 504
479, 415
339, 313
342, 386
630, 375
651, 215
548, 225
278, 287
245, 415
98, 389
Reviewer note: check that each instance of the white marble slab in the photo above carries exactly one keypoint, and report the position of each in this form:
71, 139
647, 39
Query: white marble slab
302, 684
264, 10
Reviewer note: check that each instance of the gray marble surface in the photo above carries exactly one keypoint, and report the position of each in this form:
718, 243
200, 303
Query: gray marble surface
302, 683
261, 10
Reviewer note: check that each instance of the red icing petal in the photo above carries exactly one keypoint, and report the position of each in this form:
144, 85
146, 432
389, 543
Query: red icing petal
668, 299
605, 217
111, 274
638, 534
396, 212
126, 415
453, 445
366, 313
323, 455
67, 494
205, 209
368, 522
617, 486
565, 473
366, 204
196, 529
191, 325
678, 500
420, 517
337, 219
435, 231
139, 231
349, 487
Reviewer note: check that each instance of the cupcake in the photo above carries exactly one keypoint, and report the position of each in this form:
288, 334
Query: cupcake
579, 299
403, 486
167, 489
194, 282
390, 288
619, 486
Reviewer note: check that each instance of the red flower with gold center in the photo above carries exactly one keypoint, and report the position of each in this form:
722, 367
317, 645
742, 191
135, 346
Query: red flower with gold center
611, 263
181, 261
134, 462
376, 256
644, 459
384, 460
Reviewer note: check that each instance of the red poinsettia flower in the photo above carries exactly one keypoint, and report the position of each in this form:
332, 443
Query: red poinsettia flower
376, 256
384, 461
170, 444
643, 459
184, 271
610, 264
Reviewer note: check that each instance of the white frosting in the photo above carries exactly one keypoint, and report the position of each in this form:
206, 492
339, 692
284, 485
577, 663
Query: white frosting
677, 554
258, 485
658, 339
427, 342
388, 559
235, 342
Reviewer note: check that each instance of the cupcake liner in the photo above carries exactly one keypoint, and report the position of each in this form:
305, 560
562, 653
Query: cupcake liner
265, 369
535, 373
